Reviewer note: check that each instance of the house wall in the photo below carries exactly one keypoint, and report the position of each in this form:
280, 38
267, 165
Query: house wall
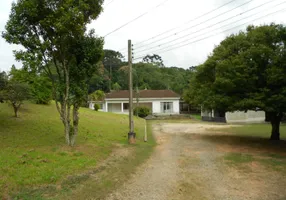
176, 106
249, 116
114, 107
155, 105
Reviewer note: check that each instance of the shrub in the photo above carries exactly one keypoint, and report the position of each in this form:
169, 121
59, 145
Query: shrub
96, 107
142, 111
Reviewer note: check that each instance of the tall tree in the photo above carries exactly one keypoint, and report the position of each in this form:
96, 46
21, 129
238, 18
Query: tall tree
247, 71
155, 59
53, 35
112, 61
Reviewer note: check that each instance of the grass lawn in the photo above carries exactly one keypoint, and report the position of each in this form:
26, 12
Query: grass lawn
196, 116
34, 154
250, 143
257, 130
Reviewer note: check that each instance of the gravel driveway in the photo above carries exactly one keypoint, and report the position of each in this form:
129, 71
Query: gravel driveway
185, 166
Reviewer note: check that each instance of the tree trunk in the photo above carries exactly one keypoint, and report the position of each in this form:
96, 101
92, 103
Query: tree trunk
15, 110
67, 130
275, 119
75, 124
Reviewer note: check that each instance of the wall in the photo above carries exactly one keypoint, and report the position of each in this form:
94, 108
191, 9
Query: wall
114, 107
249, 116
154, 104
176, 107
157, 106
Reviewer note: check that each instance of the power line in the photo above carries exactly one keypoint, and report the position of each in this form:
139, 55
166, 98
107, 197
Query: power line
147, 49
109, 2
120, 27
185, 22
166, 50
207, 20
198, 17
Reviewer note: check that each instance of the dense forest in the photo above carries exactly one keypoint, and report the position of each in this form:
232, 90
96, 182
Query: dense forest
150, 73
111, 74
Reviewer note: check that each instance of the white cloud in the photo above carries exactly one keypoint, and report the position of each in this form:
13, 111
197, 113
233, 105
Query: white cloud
171, 14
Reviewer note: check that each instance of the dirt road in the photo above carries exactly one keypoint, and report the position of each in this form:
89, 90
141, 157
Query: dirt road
184, 165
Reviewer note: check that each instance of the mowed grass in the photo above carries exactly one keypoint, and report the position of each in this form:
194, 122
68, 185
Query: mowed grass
196, 116
257, 130
34, 153
250, 143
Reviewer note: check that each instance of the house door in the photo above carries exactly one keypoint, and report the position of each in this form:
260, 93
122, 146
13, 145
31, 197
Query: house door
167, 107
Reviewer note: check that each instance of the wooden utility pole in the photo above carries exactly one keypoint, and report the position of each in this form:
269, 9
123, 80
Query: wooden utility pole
110, 78
131, 134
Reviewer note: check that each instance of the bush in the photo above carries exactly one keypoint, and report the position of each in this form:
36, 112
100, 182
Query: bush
142, 111
96, 107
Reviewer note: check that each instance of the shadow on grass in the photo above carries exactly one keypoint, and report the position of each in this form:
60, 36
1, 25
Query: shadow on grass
248, 142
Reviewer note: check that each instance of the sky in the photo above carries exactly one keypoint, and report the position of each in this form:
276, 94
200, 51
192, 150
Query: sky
182, 32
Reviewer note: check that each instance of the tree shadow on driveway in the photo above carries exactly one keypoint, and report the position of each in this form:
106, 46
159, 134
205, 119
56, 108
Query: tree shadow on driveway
248, 143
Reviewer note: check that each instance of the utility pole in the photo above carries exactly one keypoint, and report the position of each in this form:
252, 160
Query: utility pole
131, 134
110, 77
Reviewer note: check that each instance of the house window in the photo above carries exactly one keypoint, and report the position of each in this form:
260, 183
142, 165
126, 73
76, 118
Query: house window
125, 106
100, 106
167, 107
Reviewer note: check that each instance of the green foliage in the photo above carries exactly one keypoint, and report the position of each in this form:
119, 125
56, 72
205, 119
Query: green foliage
3, 84
108, 73
16, 94
55, 40
39, 83
245, 72
116, 86
149, 74
98, 95
112, 59
142, 111
153, 77
96, 107
41, 90
3, 80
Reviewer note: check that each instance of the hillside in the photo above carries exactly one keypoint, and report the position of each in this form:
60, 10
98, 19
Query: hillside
33, 150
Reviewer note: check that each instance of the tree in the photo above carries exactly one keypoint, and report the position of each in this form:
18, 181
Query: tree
3, 84
16, 93
39, 83
99, 80
116, 86
246, 72
98, 95
53, 34
112, 61
155, 59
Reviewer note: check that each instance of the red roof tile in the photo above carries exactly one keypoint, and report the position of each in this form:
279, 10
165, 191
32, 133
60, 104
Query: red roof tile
143, 94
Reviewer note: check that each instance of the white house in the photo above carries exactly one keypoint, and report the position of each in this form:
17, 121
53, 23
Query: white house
159, 101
